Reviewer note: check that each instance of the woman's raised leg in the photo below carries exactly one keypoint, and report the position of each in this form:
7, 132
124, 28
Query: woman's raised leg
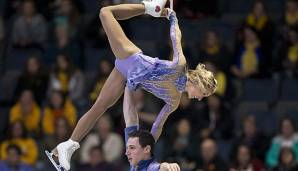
121, 46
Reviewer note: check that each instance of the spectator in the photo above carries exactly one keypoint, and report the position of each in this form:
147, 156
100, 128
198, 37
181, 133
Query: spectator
287, 138
13, 161
29, 29
68, 14
34, 78
183, 147
104, 70
288, 53
210, 161
214, 52
249, 135
59, 106
291, 13
259, 20
64, 44
287, 37
112, 143
216, 120
287, 160
61, 133
18, 136
66, 78
96, 161
27, 111
245, 160
249, 56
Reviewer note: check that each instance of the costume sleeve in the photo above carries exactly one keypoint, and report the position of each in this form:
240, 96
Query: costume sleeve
175, 34
161, 119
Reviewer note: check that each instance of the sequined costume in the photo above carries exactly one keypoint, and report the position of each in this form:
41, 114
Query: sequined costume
164, 79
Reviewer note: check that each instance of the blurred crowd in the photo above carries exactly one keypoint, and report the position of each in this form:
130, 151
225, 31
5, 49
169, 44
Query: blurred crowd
47, 83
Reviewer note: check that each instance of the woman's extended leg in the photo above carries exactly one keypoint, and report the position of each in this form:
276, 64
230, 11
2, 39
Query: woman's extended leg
110, 93
121, 46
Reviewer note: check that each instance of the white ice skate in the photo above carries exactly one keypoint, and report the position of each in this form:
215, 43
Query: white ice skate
65, 151
155, 7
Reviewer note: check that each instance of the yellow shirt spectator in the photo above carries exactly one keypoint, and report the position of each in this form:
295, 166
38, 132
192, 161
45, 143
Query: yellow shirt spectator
249, 58
257, 23
28, 147
51, 115
30, 119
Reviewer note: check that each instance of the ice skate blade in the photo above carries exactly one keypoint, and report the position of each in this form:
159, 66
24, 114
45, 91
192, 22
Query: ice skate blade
50, 156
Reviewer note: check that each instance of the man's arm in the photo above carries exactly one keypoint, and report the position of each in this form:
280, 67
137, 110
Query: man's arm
129, 110
130, 114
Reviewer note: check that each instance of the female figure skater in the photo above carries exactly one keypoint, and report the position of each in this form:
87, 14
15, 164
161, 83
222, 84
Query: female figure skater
165, 79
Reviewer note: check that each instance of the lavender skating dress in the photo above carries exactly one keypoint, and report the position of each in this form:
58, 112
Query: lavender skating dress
164, 79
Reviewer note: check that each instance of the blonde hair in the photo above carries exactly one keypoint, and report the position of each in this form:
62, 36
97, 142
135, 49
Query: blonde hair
203, 78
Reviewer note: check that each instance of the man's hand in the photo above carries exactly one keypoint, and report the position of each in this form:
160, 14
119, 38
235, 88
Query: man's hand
169, 167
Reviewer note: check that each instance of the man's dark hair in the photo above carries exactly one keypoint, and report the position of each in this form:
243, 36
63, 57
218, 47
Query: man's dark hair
145, 138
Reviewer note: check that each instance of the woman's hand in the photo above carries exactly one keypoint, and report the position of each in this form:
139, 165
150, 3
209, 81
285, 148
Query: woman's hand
166, 12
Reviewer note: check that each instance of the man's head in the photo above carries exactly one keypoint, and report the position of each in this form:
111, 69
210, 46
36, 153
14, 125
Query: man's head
139, 146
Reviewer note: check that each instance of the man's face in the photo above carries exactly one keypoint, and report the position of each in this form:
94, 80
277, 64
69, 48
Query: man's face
135, 152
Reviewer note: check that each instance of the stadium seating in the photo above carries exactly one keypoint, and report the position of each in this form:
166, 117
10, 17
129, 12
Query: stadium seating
259, 90
289, 90
148, 29
7, 84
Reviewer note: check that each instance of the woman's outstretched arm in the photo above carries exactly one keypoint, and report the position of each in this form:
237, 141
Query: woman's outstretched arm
159, 122
175, 33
